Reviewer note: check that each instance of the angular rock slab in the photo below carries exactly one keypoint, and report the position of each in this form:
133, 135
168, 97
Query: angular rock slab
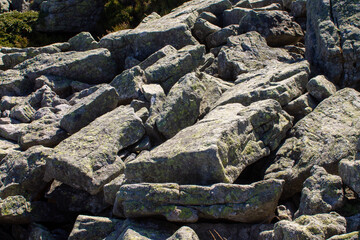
217, 148
189, 203
88, 158
93, 66
282, 82
349, 171
324, 137
332, 40
13, 83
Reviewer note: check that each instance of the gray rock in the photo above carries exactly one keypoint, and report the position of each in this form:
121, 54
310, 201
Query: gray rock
353, 223
153, 58
169, 69
13, 83
203, 28
102, 100
129, 84
82, 42
282, 82
4, 6
320, 88
245, 53
111, 189
20, 5
349, 171
322, 193
139, 104
347, 236
23, 113
332, 33
143, 114
6, 147
320, 226
131, 62
14, 210
184, 233
301, 106
220, 37
233, 16
61, 86
210, 17
217, 148
93, 228
8, 103
152, 90
88, 159
276, 26
188, 203
69, 15
93, 66
264, 3
271, 7
12, 131
324, 137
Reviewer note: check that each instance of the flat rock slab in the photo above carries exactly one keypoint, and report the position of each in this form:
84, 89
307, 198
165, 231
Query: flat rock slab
324, 137
189, 203
88, 159
217, 148
93, 66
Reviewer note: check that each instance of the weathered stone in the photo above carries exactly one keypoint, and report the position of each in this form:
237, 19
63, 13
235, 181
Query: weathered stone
271, 7
203, 28
320, 226
129, 84
169, 69
184, 233
210, 17
61, 86
82, 42
349, 171
276, 26
23, 113
88, 159
111, 189
131, 62
301, 106
242, 4
298, 8
353, 223
217, 148
332, 40
220, 37
4, 6
324, 137
14, 210
282, 82
320, 88
188, 203
152, 90
6, 147
13, 83
153, 58
322, 193
93, 66
93, 228
8, 103
247, 52
233, 16
264, 3
347, 236
102, 100
12, 131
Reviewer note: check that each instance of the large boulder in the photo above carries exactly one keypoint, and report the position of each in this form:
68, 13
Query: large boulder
88, 159
93, 66
188, 203
332, 40
69, 15
217, 148
13, 83
324, 137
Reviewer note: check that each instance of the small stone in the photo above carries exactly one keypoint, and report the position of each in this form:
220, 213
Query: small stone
320, 88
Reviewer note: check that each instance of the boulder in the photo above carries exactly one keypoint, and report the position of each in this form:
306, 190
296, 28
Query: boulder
6, 147
88, 159
103, 99
233, 16
82, 42
23, 113
153, 58
322, 193
215, 149
210, 17
220, 37
324, 137
332, 36
301, 106
184, 233
111, 189
152, 91
4, 6
298, 8
320, 88
245, 53
282, 82
349, 171
14, 210
188, 203
276, 27
60, 85
93, 66
69, 16
203, 28
346, 236
271, 7
264, 3
13, 83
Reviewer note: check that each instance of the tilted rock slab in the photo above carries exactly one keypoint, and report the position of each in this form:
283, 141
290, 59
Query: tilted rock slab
282, 82
324, 137
93, 66
349, 171
188, 203
332, 40
88, 158
217, 148
13, 83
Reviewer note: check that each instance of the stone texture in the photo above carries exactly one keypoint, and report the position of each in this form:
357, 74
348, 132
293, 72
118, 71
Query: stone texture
220, 37
276, 27
322, 193
23, 113
111, 188
11, 131
14, 210
347, 236
152, 90
184, 233
349, 171
188, 203
332, 40
13, 83
6, 147
234, 15
203, 28
103, 99
245, 53
88, 159
320, 88
324, 137
217, 148
93, 66
61, 86
82, 42
153, 58
301, 106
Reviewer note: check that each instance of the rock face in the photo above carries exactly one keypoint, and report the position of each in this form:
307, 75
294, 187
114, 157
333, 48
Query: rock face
324, 137
332, 40
188, 203
69, 15
216, 149
95, 148
349, 172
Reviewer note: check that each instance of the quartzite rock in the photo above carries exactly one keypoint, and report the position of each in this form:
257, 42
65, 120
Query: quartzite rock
103, 99
324, 137
88, 159
93, 66
188, 203
217, 148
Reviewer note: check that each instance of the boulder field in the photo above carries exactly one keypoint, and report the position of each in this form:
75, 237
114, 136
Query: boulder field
223, 119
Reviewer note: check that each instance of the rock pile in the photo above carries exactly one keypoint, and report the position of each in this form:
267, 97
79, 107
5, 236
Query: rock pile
221, 120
